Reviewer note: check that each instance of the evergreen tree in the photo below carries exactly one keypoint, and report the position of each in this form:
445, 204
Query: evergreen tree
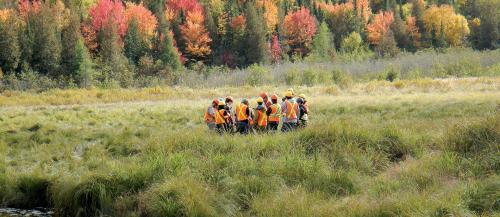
135, 45
256, 49
10, 52
401, 36
70, 37
84, 73
489, 30
47, 42
323, 46
26, 42
388, 46
111, 53
164, 47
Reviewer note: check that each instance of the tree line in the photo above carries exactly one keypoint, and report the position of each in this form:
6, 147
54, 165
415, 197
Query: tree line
114, 40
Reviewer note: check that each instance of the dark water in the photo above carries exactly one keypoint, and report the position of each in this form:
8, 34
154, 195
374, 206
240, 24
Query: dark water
38, 212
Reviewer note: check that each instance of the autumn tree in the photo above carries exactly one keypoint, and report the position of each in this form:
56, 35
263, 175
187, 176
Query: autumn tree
10, 52
299, 28
145, 20
451, 26
270, 14
379, 26
195, 36
387, 46
342, 19
106, 10
275, 48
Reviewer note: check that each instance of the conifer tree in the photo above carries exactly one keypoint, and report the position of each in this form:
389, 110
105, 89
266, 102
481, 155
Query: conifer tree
256, 50
135, 45
47, 42
323, 46
10, 52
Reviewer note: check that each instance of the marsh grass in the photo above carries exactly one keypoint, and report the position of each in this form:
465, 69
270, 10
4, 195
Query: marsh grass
428, 148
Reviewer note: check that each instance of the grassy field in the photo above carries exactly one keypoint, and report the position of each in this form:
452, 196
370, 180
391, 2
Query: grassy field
406, 148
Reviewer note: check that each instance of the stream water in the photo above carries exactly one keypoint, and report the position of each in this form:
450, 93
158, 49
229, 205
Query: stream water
38, 212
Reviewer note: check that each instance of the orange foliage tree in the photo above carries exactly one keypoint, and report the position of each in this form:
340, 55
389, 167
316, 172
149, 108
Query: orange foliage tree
412, 31
145, 19
379, 26
298, 29
195, 36
5, 14
270, 14
174, 7
363, 9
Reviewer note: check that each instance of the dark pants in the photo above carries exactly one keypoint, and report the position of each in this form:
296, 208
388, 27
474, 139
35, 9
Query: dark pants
243, 127
273, 126
288, 126
221, 128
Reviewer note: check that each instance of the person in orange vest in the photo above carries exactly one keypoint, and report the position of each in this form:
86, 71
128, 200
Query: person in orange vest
260, 115
221, 118
290, 110
265, 99
209, 116
243, 117
274, 114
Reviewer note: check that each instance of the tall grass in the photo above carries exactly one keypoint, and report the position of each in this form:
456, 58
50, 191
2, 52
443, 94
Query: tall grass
427, 149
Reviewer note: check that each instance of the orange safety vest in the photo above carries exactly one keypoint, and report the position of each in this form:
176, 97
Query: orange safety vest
219, 117
275, 113
208, 118
291, 110
241, 111
262, 122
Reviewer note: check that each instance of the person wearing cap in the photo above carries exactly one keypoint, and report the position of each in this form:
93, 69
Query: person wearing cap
221, 118
290, 110
304, 110
209, 116
260, 115
243, 117
274, 114
229, 109
265, 99
303, 119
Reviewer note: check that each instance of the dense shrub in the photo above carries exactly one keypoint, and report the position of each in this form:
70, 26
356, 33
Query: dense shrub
484, 198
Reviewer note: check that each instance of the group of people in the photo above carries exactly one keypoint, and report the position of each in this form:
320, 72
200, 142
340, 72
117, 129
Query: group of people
292, 112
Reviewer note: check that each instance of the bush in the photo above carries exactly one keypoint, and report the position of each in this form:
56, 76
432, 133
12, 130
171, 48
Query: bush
292, 77
309, 77
341, 78
257, 75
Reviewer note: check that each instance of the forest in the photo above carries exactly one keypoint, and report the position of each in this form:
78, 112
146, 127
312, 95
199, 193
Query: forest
113, 43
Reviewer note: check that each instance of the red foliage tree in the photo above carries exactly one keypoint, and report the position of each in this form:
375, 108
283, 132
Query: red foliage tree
275, 49
379, 26
27, 6
174, 7
105, 10
299, 28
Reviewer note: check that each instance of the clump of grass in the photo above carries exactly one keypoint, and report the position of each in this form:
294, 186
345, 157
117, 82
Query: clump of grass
477, 143
183, 197
31, 190
484, 198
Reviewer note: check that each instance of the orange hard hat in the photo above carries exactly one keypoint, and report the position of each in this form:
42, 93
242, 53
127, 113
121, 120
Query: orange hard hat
274, 96
216, 102
263, 94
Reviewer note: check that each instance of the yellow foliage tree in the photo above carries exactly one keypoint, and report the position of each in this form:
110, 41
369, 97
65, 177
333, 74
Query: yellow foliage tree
455, 26
270, 14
